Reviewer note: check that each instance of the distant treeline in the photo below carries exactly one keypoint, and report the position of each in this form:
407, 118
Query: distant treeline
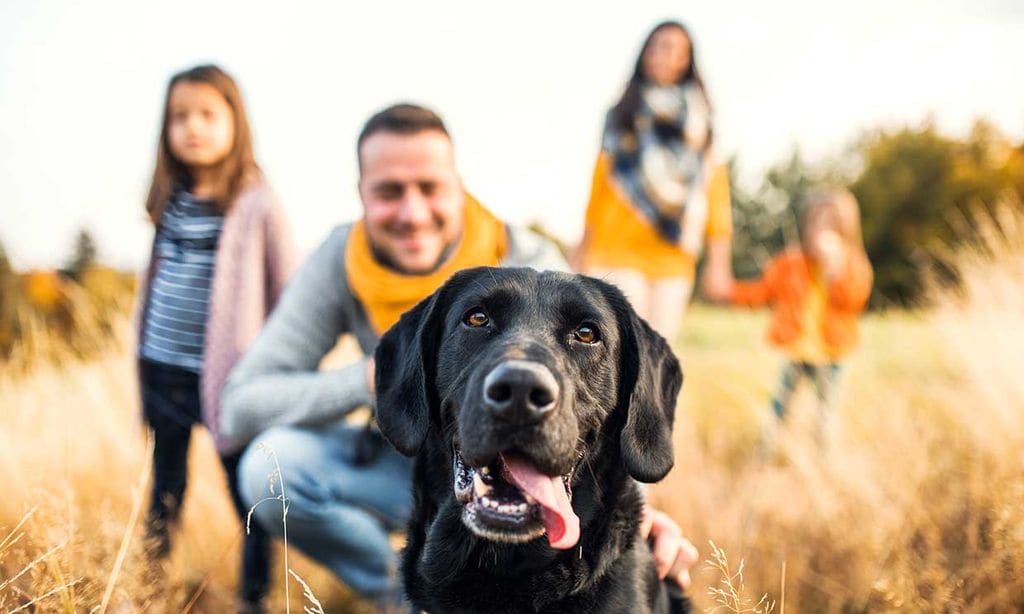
58, 314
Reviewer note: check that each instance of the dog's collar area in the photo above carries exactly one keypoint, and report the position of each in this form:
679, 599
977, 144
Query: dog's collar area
498, 504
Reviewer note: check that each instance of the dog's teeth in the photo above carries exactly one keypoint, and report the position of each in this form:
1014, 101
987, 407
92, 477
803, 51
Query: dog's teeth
521, 508
494, 504
485, 470
529, 499
479, 487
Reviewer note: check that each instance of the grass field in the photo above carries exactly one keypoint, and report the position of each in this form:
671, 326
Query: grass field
919, 505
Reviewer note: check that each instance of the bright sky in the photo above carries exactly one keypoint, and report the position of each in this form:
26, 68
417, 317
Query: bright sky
523, 92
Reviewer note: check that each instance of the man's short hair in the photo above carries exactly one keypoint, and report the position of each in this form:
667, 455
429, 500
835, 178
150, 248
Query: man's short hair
401, 119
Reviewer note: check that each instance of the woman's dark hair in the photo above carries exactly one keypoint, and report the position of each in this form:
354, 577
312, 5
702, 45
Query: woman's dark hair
623, 114
233, 172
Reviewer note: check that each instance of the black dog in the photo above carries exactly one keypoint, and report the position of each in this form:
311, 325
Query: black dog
532, 401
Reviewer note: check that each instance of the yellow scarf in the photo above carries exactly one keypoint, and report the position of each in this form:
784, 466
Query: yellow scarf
386, 294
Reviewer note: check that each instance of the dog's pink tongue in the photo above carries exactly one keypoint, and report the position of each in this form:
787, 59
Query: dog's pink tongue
561, 522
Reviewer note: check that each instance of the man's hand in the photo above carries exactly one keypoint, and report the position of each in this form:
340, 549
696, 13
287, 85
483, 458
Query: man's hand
673, 553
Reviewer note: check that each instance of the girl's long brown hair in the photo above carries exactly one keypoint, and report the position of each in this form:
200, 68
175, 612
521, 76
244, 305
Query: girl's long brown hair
233, 173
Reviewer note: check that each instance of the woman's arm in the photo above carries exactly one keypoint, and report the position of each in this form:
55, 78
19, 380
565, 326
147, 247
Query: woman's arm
717, 278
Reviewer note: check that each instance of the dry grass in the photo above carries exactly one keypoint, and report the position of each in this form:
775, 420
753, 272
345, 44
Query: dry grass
918, 507
73, 449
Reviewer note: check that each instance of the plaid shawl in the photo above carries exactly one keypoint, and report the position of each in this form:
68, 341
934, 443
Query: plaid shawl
660, 164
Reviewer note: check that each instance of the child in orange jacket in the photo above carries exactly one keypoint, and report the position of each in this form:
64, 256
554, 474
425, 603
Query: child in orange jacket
817, 291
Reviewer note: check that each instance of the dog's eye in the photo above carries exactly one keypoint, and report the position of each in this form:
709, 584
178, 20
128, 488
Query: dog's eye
476, 318
586, 333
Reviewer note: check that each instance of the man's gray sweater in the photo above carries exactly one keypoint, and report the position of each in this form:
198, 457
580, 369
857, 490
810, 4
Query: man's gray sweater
278, 381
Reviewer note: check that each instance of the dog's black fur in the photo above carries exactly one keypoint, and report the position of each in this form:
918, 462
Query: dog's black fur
610, 423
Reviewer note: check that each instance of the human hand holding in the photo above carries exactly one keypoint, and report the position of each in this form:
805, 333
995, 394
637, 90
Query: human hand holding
717, 284
674, 555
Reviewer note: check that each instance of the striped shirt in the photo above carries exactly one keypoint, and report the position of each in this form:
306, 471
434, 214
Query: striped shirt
185, 250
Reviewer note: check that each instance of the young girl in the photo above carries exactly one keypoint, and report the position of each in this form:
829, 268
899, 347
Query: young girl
657, 192
817, 290
221, 254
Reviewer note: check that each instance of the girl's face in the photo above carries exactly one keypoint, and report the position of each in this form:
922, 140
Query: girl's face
201, 125
667, 57
823, 239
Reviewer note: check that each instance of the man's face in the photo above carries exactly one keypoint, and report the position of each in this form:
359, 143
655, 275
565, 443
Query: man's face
412, 197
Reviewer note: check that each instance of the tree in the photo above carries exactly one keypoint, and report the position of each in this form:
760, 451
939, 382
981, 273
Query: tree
918, 191
5, 263
765, 220
8, 309
83, 256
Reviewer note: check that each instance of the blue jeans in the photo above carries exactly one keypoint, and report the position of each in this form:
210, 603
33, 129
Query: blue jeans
341, 507
824, 379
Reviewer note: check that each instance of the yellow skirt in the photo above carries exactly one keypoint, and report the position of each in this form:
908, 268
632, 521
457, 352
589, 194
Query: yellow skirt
617, 236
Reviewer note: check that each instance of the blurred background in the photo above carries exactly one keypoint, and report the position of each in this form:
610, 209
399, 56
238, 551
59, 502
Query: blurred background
524, 93
916, 106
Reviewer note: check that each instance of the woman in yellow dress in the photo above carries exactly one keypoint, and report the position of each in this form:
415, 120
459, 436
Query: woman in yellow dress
658, 192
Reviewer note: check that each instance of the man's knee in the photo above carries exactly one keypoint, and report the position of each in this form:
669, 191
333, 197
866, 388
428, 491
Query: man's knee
255, 471
279, 463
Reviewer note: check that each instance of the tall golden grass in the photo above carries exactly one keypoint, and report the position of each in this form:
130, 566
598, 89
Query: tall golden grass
73, 460
918, 506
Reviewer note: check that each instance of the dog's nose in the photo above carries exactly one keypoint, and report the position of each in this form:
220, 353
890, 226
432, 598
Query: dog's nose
520, 391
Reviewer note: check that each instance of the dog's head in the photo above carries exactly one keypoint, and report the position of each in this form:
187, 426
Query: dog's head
519, 376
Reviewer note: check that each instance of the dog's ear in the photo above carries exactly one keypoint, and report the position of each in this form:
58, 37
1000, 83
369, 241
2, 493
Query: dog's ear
649, 382
404, 369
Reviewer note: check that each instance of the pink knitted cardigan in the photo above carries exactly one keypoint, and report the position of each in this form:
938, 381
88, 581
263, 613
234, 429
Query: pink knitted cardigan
255, 257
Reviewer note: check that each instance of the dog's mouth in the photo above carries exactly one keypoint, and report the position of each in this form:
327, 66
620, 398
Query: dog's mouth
511, 501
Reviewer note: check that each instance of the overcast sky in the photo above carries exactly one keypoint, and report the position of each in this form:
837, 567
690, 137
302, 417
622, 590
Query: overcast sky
523, 91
